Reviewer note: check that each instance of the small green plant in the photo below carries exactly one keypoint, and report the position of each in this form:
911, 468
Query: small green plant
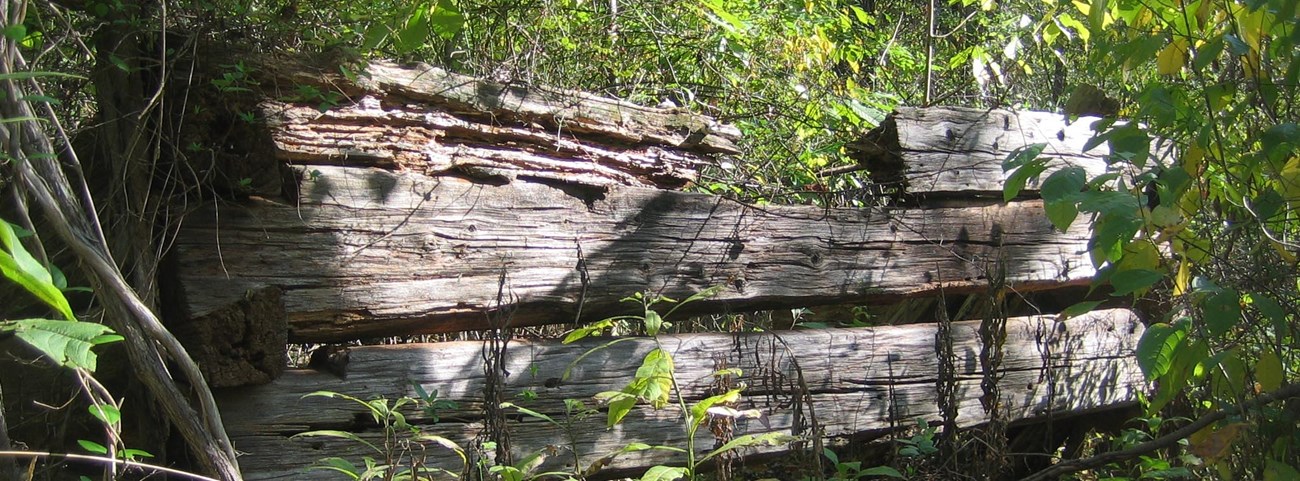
395, 457
920, 444
235, 80
654, 384
852, 470
430, 403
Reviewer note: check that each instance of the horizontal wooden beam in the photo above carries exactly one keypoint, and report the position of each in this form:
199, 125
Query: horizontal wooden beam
856, 381
959, 151
367, 252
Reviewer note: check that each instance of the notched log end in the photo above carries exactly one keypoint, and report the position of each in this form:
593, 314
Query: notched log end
879, 151
240, 344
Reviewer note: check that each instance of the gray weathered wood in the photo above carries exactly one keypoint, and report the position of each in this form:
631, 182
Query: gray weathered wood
859, 381
955, 150
368, 252
423, 119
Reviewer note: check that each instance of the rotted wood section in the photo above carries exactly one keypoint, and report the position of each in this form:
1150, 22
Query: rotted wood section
858, 382
423, 119
365, 252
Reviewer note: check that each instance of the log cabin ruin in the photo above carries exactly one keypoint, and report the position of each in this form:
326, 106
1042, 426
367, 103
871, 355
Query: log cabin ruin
424, 202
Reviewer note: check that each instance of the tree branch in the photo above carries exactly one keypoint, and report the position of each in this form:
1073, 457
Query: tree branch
1071, 466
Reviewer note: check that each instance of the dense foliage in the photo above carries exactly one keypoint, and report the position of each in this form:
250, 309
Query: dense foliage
1196, 218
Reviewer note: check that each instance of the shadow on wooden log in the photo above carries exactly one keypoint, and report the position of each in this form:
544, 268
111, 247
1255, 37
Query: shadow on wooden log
858, 383
370, 253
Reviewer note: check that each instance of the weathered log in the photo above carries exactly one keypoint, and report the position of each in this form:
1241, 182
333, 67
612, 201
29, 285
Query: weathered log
858, 381
423, 119
954, 150
368, 252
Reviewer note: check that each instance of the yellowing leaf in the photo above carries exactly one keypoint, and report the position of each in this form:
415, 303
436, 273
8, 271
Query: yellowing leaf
1282, 251
1183, 278
1212, 444
1171, 59
1268, 371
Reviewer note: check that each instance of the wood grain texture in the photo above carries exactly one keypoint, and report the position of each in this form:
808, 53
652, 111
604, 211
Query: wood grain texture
860, 381
423, 119
368, 252
959, 151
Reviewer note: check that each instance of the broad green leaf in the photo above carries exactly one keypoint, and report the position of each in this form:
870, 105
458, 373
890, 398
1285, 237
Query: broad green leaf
92, 446
882, 471
1271, 310
1155, 350
1060, 192
15, 32
1079, 309
67, 343
1269, 372
414, 32
22, 268
663, 473
1221, 311
700, 410
770, 439
1027, 165
1130, 143
105, 413
1278, 471
134, 454
445, 19
618, 409
338, 464
1207, 52
1097, 16
653, 323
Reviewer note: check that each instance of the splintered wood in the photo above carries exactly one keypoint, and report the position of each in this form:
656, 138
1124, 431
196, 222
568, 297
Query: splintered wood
853, 382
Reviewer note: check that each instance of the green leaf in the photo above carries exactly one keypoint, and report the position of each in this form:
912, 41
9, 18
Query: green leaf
67, 343
1130, 281
653, 323
1079, 309
529, 412
663, 473
1270, 309
414, 32
1060, 192
1221, 311
22, 268
1269, 372
1130, 143
618, 409
1155, 351
770, 439
445, 19
105, 413
882, 471
700, 410
331, 433
1097, 16
1278, 471
92, 446
15, 32
134, 454
1027, 164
